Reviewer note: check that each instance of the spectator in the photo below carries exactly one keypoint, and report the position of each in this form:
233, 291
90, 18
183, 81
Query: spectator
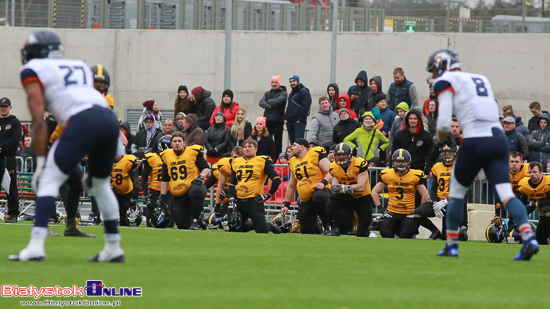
516, 141
228, 108
415, 139
375, 84
520, 127
283, 170
168, 128
432, 96
204, 106
536, 110
548, 165
26, 151
334, 96
344, 127
216, 139
331, 153
360, 94
433, 107
150, 107
24, 131
401, 90
538, 143
401, 110
126, 130
266, 145
387, 115
299, 104
182, 103
10, 137
192, 133
434, 155
179, 121
366, 138
241, 129
288, 151
146, 140
322, 124
274, 103
345, 103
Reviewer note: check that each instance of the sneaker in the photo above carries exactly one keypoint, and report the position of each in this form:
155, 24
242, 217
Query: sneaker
451, 251
10, 219
335, 232
77, 233
528, 249
435, 235
326, 231
28, 254
194, 225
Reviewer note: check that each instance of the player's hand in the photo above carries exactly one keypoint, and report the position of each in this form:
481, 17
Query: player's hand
319, 186
148, 202
439, 208
284, 210
262, 198
232, 203
347, 190
133, 202
198, 181
223, 193
336, 188
160, 201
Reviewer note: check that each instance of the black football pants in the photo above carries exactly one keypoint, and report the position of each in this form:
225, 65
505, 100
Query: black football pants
249, 208
8, 162
308, 211
398, 224
543, 230
342, 207
189, 206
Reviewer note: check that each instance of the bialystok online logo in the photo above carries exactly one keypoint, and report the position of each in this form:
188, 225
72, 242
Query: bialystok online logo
93, 288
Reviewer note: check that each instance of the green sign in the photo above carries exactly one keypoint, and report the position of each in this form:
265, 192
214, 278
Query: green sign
410, 26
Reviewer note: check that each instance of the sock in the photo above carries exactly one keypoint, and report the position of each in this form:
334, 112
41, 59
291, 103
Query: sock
112, 242
111, 226
526, 232
454, 216
45, 209
38, 237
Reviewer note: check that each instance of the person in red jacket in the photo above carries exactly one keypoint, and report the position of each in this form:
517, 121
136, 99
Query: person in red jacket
345, 102
228, 108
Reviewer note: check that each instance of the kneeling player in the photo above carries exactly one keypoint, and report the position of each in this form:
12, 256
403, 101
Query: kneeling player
184, 168
536, 190
351, 192
221, 171
402, 183
124, 180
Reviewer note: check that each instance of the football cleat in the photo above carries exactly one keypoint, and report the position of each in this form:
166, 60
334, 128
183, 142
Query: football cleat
450, 251
273, 228
108, 257
28, 254
77, 233
194, 225
327, 232
528, 249
335, 232
435, 235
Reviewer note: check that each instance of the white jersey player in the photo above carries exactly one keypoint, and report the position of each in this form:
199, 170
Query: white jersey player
470, 97
65, 88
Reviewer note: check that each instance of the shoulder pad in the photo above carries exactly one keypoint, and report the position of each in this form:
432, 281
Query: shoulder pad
362, 162
319, 149
198, 148
131, 158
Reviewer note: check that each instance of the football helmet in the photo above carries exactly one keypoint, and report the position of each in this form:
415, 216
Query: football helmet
447, 154
495, 233
342, 154
134, 216
463, 233
232, 221
443, 60
215, 221
101, 74
401, 155
41, 44
165, 142
161, 217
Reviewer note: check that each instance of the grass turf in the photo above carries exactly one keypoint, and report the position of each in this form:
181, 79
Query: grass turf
215, 269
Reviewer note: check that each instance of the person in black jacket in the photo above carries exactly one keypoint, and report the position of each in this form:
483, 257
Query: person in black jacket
334, 96
344, 127
274, 103
127, 131
266, 145
10, 137
299, 104
216, 140
361, 94
414, 139
204, 106
146, 140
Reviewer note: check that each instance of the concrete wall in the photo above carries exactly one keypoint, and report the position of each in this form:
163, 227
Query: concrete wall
150, 64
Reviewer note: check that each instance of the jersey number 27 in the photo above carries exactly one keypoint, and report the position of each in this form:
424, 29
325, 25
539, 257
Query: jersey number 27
73, 75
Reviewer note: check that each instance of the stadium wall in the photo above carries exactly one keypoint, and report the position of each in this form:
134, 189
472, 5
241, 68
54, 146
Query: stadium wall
150, 64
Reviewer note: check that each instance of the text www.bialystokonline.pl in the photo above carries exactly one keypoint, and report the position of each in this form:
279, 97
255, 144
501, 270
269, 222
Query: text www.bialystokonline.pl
68, 303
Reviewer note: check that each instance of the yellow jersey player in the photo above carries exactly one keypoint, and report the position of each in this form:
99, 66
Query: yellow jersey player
536, 190
102, 81
124, 181
246, 183
152, 167
184, 169
402, 183
351, 192
308, 168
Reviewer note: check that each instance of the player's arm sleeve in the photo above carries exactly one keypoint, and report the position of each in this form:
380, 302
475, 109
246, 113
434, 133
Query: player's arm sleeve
201, 161
422, 180
433, 190
145, 172
210, 181
232, 183
545, 201
135, 180
445, 94
524, 199
165, 177
272, 174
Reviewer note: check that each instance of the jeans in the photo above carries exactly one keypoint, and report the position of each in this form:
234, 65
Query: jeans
295, 130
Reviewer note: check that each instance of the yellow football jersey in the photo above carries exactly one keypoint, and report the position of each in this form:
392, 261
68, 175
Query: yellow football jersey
349, 176
109, 100
402, 189
154, 161
535, 194
517, 177
442, 174
250, 175
223, 166
307, 172
182, 169
120, 175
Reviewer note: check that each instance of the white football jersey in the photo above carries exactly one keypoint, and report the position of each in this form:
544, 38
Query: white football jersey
68, 86
473, 103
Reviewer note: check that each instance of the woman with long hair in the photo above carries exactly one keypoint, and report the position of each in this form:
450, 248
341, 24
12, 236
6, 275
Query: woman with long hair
266, 145
150, 107
433, 106
228, 108
182, 103
241, 129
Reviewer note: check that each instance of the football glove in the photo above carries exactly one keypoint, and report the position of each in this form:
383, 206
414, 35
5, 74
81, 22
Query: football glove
198, 181
262, 198
147, 201
335, 188
232, 203
347, 190
439, 208
223, 193
133, 202
160, 201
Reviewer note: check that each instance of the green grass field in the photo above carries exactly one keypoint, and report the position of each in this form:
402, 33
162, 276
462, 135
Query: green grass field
215, 269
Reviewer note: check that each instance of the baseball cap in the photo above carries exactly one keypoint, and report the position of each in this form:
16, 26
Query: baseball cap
509, 120
5, 102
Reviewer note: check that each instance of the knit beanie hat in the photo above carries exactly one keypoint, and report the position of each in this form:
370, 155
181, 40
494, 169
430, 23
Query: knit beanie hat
228, 92
149, 104
277, 79
343, 110
295, 77
261, 120
379, 97
184, 88
197, 92
376, 113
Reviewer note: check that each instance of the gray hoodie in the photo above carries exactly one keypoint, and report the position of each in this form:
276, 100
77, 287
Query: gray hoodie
321, 128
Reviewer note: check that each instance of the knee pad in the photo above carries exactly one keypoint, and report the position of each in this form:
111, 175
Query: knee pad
456, 189
195, 192
51, 179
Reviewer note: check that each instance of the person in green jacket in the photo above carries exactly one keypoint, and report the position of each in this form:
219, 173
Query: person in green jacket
364, 135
